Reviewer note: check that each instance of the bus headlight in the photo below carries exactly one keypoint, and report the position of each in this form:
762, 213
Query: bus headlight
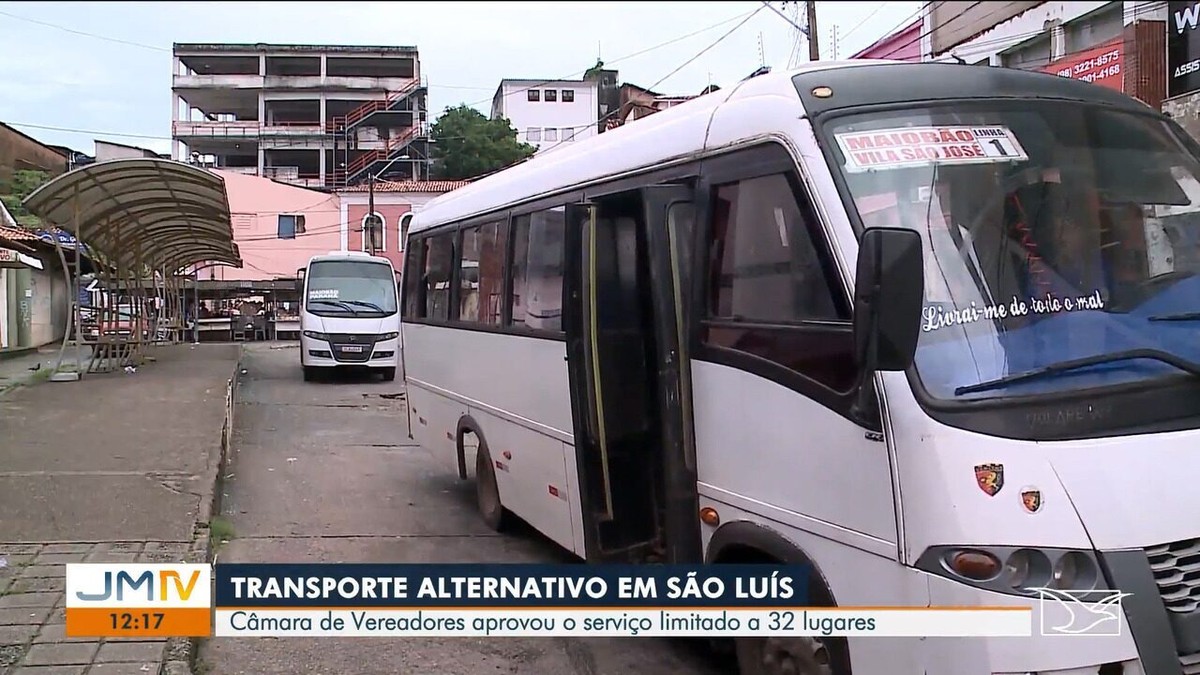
1018, 570
388, 336
315, 335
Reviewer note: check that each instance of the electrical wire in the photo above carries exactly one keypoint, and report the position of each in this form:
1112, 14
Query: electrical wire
864, 21
666, 77
894, 29
443, 86
744, 16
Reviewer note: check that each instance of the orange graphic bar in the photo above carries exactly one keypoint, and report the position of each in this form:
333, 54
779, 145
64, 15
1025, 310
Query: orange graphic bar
140, 622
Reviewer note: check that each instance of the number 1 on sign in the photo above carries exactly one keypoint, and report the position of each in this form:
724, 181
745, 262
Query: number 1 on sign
1003, 148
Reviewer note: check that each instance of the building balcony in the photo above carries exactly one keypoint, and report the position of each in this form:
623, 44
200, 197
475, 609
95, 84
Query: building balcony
292, 129
234, 130
218, 82
302, 82
292, 176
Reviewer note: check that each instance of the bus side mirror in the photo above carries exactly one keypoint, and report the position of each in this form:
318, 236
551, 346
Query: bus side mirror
889, 292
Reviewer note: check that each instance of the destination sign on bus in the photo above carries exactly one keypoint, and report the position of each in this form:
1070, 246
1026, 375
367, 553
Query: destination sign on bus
919, 146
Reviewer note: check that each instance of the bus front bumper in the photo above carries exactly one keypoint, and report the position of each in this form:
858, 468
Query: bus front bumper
330, 350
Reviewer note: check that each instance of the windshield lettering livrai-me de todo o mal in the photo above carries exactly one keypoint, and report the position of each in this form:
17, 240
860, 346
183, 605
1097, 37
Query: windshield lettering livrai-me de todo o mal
350, 288
1052, 233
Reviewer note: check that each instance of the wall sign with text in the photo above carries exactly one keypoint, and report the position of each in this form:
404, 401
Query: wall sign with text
1100, 65
1183, 48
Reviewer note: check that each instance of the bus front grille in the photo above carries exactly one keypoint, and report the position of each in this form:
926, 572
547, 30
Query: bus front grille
1176, 569
352, 348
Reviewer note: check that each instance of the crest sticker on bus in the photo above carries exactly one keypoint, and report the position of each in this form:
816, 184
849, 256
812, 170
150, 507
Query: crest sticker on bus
922, 146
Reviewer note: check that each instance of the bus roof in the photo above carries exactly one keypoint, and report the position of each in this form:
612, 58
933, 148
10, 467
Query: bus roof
349, 255
687, 129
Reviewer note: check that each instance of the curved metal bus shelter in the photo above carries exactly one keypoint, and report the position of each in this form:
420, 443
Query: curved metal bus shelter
145, 221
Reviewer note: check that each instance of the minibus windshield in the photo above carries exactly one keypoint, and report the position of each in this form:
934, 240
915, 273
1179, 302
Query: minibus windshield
350, 288
1061, 241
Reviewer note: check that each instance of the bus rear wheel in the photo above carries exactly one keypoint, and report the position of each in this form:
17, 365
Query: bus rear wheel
783, 656
487, 491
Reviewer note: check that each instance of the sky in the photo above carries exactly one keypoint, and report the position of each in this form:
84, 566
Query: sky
72, 72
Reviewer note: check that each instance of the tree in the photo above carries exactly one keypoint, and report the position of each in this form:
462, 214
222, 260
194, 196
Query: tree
14, 190
467, 144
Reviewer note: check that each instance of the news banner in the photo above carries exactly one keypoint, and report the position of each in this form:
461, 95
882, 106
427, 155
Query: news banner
471, 600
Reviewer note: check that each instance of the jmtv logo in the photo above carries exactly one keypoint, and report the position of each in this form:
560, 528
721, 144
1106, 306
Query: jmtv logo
139, 585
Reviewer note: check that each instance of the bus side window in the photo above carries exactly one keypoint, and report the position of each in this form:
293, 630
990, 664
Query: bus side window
481, 274
413, 300
769, 286
439, 257
537, 269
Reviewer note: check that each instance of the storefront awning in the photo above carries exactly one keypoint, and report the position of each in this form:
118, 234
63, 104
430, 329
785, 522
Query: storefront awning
15, 259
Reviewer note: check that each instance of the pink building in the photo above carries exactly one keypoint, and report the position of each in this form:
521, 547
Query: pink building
903, 45
277, 227
393, 202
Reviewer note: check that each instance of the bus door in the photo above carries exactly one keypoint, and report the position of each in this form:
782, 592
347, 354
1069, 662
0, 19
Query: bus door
625, 364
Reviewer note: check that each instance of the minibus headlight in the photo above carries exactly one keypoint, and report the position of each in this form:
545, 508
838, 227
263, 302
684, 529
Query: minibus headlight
1015, 570
315, 335
388, 336
1075, 571
1026, 568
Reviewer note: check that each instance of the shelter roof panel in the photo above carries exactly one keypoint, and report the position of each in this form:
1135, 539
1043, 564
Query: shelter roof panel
155, 212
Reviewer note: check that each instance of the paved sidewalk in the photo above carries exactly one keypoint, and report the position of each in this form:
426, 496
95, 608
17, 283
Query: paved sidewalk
18, 370
117, 467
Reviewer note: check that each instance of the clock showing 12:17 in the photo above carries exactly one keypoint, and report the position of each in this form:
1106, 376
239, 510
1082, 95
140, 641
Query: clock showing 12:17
135, 622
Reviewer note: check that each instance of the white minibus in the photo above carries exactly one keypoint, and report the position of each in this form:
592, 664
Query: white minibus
911, 324
349, 315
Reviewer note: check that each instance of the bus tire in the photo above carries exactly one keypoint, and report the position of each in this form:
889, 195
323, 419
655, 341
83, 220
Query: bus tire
389, 374
487, 490
779, 655
310, 373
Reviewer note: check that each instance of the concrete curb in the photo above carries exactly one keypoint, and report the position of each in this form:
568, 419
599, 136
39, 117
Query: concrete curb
181, 653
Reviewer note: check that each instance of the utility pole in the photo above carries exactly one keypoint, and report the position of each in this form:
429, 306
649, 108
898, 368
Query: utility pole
371, 218
814, 50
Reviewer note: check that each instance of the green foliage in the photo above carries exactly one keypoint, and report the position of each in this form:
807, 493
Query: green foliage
14, 190
594, 70
467, 144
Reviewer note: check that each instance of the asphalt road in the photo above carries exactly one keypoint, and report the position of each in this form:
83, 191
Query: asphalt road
324, 472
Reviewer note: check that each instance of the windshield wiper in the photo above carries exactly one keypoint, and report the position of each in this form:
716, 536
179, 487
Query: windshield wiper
1063, 366
337, 303
360, 303
1182, 316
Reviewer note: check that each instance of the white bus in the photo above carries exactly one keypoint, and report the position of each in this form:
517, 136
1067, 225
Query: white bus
897, 321
349, 314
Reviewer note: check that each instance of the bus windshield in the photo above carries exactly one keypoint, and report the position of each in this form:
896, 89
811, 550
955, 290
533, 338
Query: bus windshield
1060, 241
350, 288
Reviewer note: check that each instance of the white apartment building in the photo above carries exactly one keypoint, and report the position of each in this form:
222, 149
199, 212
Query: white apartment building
548, 113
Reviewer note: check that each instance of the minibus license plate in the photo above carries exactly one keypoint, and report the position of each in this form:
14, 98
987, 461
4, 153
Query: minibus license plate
351, 348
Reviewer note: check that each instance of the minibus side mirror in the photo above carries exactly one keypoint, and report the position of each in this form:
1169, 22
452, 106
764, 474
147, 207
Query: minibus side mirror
889, 291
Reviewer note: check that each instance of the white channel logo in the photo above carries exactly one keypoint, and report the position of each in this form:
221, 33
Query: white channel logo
1093, 613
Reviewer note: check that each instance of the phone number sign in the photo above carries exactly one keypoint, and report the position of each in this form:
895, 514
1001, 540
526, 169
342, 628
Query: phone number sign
1102, 65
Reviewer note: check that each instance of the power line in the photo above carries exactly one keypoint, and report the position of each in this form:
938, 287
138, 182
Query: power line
443, 86
647, 50
905, 22
673, 72
869, 17
1013, 39
85, 33
744, 16
922, 35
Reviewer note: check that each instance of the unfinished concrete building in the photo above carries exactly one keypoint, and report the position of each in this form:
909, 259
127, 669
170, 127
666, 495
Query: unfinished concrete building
317, 116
